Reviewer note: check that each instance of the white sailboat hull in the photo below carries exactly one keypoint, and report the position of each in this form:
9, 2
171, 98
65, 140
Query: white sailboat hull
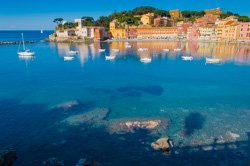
26, 53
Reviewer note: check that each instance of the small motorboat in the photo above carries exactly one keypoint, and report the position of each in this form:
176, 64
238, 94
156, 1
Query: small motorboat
68, 58
128, 46
71, 52
213, 60
102, 50
91, 45
166, 50
142, 49
187, 58
177, 49
145, 60
111, 57
115, 50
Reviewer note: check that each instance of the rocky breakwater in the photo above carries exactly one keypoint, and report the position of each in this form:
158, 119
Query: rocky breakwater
15, 42
7, 157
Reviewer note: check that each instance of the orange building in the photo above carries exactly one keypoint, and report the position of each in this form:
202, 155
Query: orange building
157, 32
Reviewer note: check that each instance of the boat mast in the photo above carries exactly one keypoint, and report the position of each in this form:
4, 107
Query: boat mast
23, 42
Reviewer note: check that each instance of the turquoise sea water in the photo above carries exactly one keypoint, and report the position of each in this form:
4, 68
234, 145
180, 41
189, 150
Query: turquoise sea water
204, 104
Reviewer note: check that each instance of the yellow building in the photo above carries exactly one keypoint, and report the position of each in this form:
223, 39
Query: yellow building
216, 11
227, 30
148, 19
175, 14
231, 30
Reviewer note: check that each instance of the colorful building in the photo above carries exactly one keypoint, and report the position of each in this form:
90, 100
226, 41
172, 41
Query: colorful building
244, 31
207, 32
193, 32
175, 14
95, 32
148, 19
161, 21
66, 33
216, 11
157, 33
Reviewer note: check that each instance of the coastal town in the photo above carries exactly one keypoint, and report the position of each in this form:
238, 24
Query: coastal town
208, 25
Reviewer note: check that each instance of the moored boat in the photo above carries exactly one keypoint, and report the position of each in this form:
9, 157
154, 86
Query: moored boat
187, 58
166, 50
145, 60
68, 58
142, 49
213, 60
25, 52
115, 50
72, 52
111, 57
177, 49
102, 50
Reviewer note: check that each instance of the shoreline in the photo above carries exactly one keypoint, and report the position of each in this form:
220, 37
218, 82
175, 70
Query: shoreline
142, 40
178, 40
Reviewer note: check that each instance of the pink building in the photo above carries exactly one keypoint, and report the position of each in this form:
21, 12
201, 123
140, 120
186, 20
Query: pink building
244, 31
193, 32
183, 28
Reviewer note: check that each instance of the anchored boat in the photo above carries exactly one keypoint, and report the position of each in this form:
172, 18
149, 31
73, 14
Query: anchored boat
25, 52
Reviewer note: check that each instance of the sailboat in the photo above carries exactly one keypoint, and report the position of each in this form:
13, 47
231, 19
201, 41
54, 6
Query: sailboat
25, 51
41, 31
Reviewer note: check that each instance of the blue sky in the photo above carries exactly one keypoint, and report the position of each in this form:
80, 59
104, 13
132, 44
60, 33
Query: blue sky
36, 14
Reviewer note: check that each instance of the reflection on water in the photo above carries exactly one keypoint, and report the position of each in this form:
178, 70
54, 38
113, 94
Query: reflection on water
236, 52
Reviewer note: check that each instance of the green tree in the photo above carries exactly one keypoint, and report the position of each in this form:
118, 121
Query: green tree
103, 21
58, 20
88, 21
143, 10
69, 25
244, 19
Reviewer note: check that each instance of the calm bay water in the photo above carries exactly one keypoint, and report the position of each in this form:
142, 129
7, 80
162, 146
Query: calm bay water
203, 103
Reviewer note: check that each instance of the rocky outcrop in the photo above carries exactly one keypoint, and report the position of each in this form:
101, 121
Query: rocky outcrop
7, 157
94, 117
162, 144
131, 125
233, 136
53, 162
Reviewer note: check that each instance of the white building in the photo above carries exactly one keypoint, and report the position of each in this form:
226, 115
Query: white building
207, 33
89, 31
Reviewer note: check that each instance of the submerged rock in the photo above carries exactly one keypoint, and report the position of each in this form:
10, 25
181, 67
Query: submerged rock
7, 157
93, 117
67, 105
131, 125
81, 162
233, 136
161, 144
53, 162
